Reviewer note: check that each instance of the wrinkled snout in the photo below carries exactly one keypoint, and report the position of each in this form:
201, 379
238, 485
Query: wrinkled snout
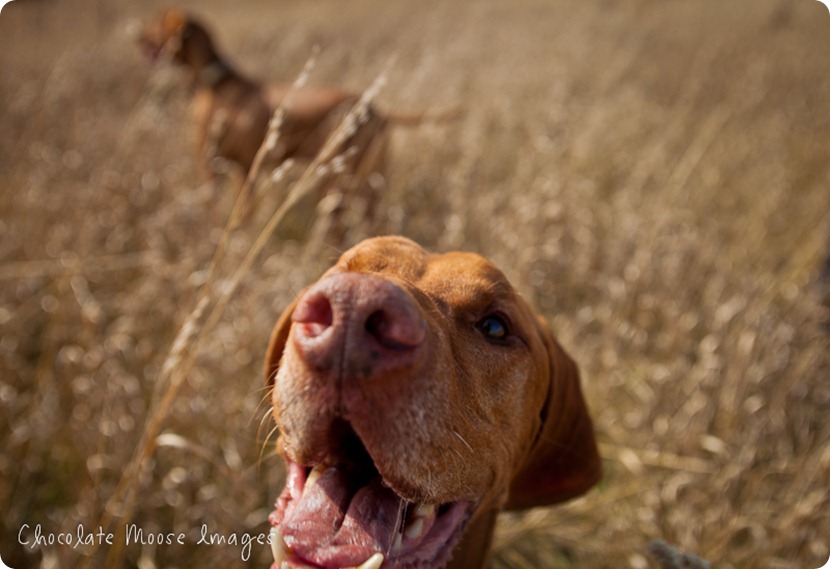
357, 326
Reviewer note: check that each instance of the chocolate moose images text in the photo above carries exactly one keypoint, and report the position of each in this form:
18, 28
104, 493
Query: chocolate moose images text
36, 536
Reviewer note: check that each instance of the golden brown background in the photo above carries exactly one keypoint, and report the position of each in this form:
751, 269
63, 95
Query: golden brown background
654, 175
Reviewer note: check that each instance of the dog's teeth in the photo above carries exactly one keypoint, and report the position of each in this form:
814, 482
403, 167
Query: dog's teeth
278, 547
415, 528
421, 520
314, 474
374, 562
425, 511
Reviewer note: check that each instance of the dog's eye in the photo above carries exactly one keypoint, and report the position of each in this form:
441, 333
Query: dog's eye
493, 327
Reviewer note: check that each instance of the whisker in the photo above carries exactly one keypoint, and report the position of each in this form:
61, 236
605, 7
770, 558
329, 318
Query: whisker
402, 509
265, 417
264, 400
457, 434
400, 522
265, 443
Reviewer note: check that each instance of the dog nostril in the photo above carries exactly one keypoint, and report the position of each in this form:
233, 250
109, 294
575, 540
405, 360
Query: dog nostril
315, 313
395, 331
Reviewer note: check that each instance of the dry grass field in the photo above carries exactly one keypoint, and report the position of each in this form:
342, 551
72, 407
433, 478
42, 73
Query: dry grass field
654, 175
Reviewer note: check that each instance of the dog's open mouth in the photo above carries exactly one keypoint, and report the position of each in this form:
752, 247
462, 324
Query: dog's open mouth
347, 516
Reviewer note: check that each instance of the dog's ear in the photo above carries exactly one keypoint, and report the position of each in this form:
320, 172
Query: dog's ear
563, 461
173, 22
276, 346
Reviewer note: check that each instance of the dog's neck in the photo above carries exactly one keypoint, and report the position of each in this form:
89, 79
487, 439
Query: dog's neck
208, 67
212, 74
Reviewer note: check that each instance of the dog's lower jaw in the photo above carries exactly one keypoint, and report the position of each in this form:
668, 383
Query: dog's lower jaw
282, 554
328, 518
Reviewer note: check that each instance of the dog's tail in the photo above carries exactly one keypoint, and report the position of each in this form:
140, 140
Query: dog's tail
417, 119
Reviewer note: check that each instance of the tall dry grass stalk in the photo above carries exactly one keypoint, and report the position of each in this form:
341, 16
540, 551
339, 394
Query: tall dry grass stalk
213, 299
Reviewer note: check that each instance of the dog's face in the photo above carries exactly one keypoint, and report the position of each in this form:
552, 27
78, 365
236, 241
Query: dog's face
413, 392
172, 35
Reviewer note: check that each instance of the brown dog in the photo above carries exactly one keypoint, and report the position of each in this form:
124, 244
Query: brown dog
232, 113
416, 396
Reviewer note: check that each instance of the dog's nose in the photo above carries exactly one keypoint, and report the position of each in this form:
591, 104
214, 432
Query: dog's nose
357, 326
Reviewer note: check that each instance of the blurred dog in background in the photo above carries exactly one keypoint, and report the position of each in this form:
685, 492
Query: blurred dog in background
232, 113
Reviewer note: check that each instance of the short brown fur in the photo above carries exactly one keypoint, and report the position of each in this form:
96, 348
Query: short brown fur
504, 426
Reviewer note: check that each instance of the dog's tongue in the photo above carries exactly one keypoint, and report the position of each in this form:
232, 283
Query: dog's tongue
340, 520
